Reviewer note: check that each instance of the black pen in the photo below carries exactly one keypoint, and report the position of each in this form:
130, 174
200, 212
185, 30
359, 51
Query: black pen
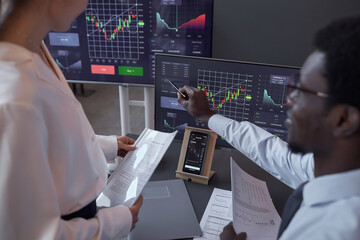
176, 87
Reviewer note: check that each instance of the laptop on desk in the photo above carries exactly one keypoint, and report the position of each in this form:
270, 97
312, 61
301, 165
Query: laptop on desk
166, 213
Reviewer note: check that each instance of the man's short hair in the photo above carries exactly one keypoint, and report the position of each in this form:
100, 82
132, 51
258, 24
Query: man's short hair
340, 41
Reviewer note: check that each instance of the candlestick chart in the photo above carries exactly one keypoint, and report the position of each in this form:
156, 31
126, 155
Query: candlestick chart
114, 29
227, 92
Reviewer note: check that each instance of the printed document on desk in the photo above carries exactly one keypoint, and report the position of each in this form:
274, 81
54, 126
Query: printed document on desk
253, 209
129, 178
217, 215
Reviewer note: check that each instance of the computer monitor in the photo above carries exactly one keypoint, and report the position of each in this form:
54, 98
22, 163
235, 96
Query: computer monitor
242, 91
114, 41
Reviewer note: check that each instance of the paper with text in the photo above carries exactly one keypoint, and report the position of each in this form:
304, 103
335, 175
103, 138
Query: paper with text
253, 209
129, 178
217, 215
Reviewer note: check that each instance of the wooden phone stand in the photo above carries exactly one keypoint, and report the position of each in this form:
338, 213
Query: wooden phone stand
206, 172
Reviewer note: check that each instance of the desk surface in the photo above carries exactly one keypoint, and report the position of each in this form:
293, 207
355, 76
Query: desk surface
200, 194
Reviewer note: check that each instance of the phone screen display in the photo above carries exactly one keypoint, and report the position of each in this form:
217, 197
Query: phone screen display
195, 153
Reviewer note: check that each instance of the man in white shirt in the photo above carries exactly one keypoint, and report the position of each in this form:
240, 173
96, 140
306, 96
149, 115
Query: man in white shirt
323, 142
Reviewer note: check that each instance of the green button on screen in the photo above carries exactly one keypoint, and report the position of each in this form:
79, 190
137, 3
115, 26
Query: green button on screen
131, 71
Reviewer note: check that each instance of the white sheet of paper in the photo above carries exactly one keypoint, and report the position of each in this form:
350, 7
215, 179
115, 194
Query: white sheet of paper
217, 215
129, 178
253, 209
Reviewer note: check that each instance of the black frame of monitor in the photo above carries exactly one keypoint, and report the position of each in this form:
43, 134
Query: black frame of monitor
80, 81
184, 59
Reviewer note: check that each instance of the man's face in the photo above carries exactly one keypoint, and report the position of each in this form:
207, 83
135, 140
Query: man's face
306, 121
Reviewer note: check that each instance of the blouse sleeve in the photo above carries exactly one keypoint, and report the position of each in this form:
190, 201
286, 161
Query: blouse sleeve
29, 206
109, 146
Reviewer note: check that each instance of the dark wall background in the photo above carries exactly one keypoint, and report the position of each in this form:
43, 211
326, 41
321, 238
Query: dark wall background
273, 31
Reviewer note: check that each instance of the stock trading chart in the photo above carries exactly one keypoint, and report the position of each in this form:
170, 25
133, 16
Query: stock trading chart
227, 92
241, 91
114, 41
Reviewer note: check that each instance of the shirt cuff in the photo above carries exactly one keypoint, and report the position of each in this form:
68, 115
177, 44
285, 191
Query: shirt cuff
109, 146
116, 222
217, 123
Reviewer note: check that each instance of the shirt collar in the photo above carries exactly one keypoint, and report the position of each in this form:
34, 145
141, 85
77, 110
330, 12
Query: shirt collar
332, 187
18, 55
45, 73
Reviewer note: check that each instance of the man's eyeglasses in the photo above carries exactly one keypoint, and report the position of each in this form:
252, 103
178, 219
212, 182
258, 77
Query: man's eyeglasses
294, 88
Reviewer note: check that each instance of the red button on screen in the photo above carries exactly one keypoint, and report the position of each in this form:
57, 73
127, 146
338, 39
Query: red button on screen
103, 69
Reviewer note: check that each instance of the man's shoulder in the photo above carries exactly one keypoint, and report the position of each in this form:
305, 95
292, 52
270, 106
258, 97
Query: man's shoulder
338, 219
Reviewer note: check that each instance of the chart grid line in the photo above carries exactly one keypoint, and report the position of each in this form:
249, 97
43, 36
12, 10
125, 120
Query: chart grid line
226, 91
113, 29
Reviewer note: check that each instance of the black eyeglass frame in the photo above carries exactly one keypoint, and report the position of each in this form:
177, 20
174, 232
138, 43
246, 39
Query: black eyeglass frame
294, 87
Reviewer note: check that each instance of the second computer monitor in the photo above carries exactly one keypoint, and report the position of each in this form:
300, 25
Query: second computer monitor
239, 90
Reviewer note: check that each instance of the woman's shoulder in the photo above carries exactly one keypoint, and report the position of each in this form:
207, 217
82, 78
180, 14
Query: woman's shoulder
13, 53
17, 93
14, 60
17, 72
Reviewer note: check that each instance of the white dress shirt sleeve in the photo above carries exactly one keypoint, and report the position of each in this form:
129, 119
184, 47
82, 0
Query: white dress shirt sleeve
109, 146
266, 150
29, 205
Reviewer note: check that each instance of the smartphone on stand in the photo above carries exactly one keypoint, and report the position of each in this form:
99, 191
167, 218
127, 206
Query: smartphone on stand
196, 152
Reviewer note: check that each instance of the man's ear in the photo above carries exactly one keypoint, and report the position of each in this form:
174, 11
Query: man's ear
347, 121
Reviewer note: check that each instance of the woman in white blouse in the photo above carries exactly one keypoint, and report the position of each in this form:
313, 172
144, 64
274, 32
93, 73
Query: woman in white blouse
52, 165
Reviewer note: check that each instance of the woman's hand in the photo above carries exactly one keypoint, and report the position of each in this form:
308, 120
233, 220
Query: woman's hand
135, 211
125, 144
